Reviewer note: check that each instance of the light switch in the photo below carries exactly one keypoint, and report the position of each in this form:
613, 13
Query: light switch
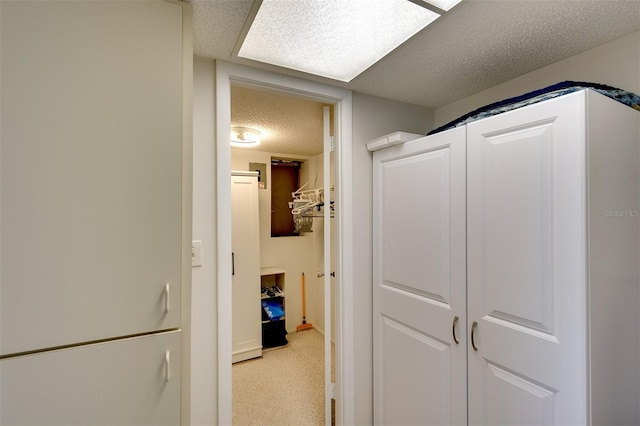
196, 253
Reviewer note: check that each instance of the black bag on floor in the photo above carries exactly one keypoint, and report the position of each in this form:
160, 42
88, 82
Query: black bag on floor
274, 334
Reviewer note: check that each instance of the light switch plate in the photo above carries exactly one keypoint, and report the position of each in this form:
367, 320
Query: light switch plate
196, 253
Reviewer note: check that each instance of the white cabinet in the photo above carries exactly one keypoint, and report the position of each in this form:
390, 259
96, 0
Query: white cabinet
126, 382
506, 284
95, 177
91, 171
245, 236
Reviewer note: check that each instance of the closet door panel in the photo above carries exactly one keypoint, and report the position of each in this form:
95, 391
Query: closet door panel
518, 240
416, 189
419, 281
416, 370
91, 203
513, 400
526, 260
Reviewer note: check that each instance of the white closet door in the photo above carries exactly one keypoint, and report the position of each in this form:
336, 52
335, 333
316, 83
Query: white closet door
246, 312
419, 282
526, 266
125, 382
91, 168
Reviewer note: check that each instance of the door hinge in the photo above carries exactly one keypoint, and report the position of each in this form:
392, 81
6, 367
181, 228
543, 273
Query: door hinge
331, 140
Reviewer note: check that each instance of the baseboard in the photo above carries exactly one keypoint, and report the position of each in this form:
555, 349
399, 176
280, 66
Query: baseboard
333, 339
246, 354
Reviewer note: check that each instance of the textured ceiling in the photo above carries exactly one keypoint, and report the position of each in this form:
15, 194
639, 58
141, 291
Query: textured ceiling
476, 45
289, 125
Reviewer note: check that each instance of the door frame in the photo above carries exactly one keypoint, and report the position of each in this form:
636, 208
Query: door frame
227, 73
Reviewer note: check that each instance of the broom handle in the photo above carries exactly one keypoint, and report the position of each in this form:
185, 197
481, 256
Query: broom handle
304, 302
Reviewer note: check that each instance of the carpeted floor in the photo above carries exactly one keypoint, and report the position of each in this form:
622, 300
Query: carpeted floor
284, 387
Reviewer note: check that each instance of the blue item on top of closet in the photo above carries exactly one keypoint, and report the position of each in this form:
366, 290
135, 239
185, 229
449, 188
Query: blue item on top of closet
628, 98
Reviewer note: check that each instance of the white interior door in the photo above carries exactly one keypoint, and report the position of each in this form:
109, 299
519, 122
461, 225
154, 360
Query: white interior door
419, 299
327, 267
526, 270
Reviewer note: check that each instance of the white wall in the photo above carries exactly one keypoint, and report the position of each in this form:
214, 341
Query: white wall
616, 63
372, 117
203, 283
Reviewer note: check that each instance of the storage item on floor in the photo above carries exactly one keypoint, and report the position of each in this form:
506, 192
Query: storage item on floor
245, 235
506, 269
274, 334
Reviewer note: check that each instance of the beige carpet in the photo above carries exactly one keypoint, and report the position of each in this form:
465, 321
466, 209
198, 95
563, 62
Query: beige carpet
284, 387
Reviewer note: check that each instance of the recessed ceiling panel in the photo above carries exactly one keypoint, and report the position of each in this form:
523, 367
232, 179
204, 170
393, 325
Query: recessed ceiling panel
337, 39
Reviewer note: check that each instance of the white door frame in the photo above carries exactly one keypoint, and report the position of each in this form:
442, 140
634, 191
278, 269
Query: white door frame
226, 74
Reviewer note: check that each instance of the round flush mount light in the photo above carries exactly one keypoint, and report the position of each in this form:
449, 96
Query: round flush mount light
244, 136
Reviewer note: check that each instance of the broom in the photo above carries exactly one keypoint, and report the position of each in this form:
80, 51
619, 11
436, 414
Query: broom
304, 325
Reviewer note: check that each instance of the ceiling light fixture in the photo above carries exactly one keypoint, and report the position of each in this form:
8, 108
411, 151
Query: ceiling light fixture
244, 136
338, 39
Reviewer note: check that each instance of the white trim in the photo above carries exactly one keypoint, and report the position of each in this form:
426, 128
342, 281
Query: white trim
225, 74
222, 198
187, 210
244, 173
326, 247
345, 303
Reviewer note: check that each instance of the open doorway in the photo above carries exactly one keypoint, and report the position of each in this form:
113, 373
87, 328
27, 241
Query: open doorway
285, 383
226, 74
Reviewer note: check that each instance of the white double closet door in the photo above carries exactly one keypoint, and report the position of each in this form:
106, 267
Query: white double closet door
480, 271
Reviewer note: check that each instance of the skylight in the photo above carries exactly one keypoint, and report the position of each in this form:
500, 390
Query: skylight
338, 39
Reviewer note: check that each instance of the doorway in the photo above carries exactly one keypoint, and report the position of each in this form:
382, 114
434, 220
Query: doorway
286, 384
226, 74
